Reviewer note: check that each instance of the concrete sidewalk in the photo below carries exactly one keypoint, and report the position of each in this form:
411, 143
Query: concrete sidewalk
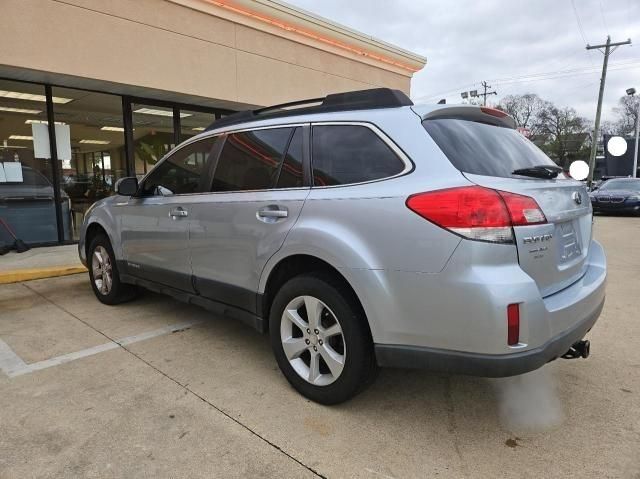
38, 263
158, 388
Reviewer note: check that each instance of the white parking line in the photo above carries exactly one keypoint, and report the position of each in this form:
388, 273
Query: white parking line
12, 365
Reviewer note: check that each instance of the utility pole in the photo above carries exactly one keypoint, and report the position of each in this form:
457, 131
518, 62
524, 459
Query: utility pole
484, 95
594, 142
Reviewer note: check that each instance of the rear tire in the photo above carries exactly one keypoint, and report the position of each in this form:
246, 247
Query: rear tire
329, 355
104, 275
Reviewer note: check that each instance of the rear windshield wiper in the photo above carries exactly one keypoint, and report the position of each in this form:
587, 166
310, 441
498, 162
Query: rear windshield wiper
539, 171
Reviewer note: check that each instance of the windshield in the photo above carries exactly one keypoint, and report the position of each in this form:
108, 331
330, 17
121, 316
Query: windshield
629, 184
483, 149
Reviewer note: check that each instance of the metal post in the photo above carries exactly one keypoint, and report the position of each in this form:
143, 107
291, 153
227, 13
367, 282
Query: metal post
56, 170
127, 122
635, 153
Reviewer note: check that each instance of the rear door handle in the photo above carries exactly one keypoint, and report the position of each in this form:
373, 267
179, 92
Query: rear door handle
178, 212
272, 213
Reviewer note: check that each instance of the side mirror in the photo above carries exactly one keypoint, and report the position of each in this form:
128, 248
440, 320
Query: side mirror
127, 186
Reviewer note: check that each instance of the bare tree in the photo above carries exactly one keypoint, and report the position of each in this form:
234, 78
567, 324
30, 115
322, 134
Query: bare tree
565, 133
525, 110
627, 113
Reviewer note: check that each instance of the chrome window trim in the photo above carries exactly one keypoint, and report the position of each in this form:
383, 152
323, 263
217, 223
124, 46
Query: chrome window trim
408, 164
208, 135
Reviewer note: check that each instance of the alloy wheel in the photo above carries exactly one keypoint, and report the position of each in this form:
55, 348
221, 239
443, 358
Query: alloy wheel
312, 340
102, 270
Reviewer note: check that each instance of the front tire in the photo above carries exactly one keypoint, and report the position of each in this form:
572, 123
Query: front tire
321, 339
104, 275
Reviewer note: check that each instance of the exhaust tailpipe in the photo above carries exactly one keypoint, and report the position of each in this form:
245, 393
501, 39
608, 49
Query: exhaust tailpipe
581, 349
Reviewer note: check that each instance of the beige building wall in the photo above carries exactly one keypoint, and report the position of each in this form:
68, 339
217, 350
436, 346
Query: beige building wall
200, 48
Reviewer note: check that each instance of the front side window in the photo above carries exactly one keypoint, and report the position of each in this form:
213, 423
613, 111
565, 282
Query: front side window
182, 172
250, 160
344, 154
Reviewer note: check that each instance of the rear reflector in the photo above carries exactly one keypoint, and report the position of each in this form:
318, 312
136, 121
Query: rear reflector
513, 324
477, 213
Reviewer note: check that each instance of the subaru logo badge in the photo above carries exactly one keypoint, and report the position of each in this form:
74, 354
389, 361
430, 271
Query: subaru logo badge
577, 197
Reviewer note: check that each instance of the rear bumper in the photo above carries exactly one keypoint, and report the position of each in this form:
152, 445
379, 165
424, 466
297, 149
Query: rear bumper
485, 365
456, 321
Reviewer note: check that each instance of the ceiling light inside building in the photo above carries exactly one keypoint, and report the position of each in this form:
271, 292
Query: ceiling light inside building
151, 111
20, 137
198, 128
20, 110
112, 128
42, 122
94, 142
28, 96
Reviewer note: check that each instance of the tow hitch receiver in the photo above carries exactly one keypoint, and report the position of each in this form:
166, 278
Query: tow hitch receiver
580, 349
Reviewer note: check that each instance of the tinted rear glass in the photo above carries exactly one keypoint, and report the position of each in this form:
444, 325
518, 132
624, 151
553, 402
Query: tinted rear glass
483, 149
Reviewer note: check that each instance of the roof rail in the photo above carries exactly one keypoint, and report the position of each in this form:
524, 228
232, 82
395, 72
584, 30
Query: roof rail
353, 100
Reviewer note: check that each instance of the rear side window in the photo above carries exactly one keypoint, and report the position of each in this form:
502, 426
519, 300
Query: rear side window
344, 154
483, 149
250, 160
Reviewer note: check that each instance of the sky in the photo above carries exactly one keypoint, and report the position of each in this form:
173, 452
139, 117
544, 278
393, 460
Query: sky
505, 43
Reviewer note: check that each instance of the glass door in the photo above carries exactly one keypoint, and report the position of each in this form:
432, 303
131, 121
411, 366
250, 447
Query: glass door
27, 198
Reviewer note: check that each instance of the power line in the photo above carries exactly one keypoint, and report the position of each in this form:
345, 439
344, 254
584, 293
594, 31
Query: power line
569, 70
604, 20
575, 11
565, 75
533, 77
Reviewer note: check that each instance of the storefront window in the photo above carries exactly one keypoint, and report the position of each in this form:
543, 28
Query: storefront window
194, 122
153, 135
91, 153
27, 204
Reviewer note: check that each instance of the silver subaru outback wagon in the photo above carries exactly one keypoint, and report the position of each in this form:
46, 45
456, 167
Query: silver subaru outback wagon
363, 231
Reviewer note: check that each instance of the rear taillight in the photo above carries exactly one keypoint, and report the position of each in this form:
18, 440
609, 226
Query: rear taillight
476, 212
513, 324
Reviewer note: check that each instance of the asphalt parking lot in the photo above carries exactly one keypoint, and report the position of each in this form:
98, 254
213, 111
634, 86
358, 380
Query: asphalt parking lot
156, 388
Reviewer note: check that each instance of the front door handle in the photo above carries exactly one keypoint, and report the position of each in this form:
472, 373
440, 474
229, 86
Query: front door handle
273, 212
178, 212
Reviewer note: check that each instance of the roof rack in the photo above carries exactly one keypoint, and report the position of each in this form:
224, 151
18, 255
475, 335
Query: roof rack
353, 100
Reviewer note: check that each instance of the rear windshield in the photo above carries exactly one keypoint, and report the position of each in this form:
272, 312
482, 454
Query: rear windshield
483, 149
621, 184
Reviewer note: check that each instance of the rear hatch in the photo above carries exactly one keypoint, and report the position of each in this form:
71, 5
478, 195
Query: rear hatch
485, 147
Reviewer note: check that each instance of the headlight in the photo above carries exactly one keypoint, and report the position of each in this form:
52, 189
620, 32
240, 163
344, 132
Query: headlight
634, 197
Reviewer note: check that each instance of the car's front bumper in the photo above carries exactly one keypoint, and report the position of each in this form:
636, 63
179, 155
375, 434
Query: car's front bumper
627, 206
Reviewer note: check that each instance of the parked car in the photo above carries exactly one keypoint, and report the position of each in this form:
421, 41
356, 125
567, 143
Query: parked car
363, 232
617, 195
28, 207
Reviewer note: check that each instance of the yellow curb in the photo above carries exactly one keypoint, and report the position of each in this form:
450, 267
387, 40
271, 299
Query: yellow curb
17, 275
